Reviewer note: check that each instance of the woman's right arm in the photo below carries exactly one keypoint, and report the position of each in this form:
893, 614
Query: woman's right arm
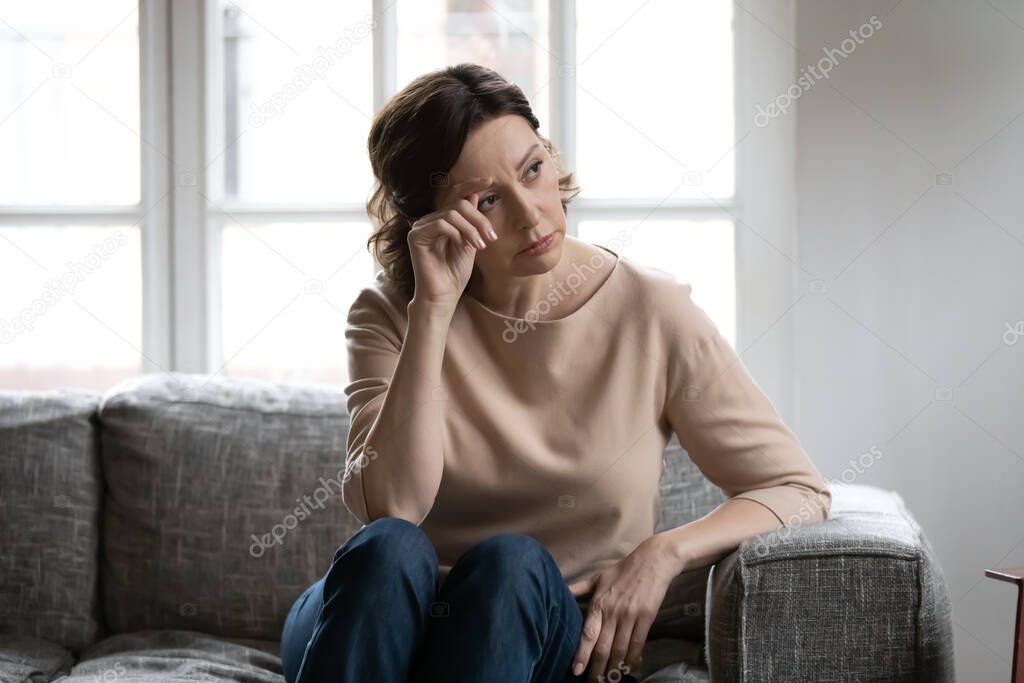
395, 456
404, 446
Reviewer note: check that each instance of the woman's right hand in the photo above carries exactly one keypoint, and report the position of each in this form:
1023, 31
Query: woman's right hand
443, 244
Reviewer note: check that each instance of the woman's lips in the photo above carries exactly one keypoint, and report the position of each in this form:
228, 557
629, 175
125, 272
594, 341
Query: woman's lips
540, 246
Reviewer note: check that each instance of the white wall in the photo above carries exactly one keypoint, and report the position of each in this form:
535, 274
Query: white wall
921, 280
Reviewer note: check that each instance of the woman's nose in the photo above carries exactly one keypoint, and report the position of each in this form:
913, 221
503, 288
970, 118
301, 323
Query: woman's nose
527, 215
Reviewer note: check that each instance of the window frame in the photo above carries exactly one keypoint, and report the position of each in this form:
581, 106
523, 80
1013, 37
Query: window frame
182, 112
152, 213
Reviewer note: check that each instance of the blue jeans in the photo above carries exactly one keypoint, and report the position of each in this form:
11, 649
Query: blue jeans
503, 613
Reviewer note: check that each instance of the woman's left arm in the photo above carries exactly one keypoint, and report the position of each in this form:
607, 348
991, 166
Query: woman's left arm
733, 434
706, 540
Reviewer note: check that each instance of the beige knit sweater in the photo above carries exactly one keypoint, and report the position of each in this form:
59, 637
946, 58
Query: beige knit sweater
556, 428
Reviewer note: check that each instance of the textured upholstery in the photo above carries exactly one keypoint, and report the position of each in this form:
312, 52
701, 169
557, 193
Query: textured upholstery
27, 658
858, 597
195, 469
162, 562
49, 516
176, 655
686, 494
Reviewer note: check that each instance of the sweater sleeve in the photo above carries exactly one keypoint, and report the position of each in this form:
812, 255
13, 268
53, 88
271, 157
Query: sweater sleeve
373, 343
727, 425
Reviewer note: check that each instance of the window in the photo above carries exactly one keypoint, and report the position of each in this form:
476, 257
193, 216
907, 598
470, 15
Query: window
70, 192
288, 208
226, 225
654, 140
512, 37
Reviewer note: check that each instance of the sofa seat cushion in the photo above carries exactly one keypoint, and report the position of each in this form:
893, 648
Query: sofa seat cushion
672, 660
177, 655
24, 658
680, 672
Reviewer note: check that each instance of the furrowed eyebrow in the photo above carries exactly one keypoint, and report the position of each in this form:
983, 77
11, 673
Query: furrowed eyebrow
526, 157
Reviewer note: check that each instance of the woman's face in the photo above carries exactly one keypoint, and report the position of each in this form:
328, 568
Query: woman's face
523, 203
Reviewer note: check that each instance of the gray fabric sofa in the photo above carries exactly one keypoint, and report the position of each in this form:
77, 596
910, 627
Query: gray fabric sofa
162, 530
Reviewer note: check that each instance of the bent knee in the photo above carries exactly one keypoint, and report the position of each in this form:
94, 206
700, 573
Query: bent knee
392, 540
510, 554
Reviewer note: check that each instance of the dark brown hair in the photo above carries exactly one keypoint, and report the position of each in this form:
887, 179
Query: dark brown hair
414, 141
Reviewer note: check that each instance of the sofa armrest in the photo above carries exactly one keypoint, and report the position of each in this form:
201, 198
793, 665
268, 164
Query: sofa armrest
859, 596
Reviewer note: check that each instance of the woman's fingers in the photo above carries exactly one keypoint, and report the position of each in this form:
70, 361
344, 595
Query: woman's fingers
602, 649
583, 586
452, 195
459, 207
588, 638
463, 189
466, 195
443, 244
635, 655
618, 657
468, 208
429, 233
454, 235
469, 231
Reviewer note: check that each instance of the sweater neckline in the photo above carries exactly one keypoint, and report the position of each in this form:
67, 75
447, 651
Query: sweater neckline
593, 297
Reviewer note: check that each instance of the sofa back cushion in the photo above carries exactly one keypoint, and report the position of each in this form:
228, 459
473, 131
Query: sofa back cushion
49, 516
686, 494
223, 501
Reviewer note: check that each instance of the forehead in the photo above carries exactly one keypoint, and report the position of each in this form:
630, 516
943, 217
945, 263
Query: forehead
494, 148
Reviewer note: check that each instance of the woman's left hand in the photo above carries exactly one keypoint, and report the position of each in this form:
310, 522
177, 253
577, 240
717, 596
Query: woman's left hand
626, 599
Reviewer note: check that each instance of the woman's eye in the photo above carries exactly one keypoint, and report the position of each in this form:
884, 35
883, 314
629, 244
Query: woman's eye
535, 165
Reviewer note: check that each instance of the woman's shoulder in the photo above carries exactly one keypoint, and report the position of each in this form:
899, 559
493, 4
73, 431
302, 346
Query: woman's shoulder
382, 291
645, 284
379, 301
663, 297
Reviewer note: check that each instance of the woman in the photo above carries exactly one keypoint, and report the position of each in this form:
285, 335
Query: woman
512, 390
